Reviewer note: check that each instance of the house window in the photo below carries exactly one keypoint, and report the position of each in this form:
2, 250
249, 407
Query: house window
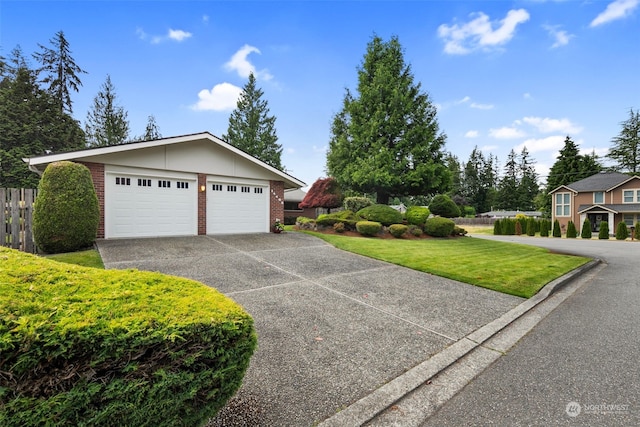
182, 184
291, 206
164, 184
144, 182
598, 197
123, 181
245, 189
257, 190
629, 219
216, 187
563, 204
232, 188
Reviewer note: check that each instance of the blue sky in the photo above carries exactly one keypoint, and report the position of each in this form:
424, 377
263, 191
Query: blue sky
504, 74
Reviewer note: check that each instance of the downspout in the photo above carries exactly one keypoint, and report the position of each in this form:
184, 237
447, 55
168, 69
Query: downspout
31, 167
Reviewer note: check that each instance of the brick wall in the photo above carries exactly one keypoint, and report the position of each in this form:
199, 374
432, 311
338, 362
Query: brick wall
202, 204
276, 202
97, 175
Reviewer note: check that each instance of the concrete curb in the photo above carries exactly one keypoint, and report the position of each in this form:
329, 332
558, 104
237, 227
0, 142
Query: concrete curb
375, 403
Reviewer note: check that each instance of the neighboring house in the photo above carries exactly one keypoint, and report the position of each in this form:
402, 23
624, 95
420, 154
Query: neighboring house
509, 214
605, 196
292, 197
179, 186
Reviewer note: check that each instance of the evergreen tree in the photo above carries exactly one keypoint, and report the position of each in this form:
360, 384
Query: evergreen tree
251, 129
626, 146
528, 187
622, 232
152, 131
479, 181
106, 122
507, 193
455, 191
62, 74
556, 232
603, 234
572, 232
570, 166
30, 125
386, 138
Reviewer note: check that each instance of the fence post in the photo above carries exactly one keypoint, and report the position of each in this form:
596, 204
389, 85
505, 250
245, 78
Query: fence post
27, 213
3, 217
15, 218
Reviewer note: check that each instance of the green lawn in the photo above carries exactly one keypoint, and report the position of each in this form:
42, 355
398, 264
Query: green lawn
514, 269
88, 258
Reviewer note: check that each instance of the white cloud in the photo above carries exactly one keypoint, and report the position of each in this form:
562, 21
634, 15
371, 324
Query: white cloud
463, 100
471, 134
481, 106
222, 97
506, 133
178, 35
479, 33
175, 35
561, 37
547, 125
534, 145
618, 9
240, 64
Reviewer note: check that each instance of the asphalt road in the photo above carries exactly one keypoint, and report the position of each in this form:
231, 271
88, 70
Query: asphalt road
579, 365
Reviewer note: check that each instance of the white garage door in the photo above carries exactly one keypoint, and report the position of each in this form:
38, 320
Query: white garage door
138, 205
237, 208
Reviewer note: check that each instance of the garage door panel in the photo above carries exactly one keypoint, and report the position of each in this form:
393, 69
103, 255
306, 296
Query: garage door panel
238, 211
146, 208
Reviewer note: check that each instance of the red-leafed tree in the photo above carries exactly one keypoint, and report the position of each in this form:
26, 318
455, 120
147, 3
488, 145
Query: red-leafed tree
324, 193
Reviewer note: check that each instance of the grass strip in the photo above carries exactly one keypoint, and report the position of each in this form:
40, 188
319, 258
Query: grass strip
514, 269
88, 258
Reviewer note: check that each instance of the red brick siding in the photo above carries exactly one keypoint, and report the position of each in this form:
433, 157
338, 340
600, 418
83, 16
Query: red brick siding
202, 204
276, 202
97, 175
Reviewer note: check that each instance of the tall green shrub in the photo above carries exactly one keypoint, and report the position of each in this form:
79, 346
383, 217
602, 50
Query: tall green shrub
636, 232
439, 227
603, 234
518, 230
368, 228
544, 228
443, 206
557, 232
621, 231
531, 227
572, 233
66, 212
508, 226
497, 227
586, 229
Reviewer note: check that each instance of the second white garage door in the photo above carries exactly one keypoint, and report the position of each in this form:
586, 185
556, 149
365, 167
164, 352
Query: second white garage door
237, 207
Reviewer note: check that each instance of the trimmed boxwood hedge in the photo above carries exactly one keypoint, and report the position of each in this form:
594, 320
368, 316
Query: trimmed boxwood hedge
439, 227
368, 228
398, 230
385, 215
88, 347
347, 218
417, 215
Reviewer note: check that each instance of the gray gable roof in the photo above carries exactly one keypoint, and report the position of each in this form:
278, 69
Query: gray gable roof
602, 181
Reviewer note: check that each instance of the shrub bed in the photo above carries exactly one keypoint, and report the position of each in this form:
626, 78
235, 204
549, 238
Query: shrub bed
439, 227
304, 223
348, 218
88, 347
398, 230
368, 228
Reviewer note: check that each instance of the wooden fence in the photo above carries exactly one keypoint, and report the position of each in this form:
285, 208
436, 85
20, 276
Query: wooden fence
16, 209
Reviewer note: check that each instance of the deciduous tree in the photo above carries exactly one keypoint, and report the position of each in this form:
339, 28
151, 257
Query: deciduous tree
324, 193
252, 129
386, 139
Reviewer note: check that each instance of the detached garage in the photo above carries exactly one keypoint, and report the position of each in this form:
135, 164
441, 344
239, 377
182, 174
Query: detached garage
180, 186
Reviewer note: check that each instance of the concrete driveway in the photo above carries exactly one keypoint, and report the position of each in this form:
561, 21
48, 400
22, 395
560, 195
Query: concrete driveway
332, 326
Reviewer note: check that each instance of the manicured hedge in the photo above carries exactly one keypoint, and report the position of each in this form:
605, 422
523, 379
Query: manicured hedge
417, 215
439, 227
347, 218
383, 214
368, 228
398, 230
88, 347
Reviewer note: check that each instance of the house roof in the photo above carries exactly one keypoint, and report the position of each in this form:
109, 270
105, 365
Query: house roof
614, 207
38, 163
603, 181
294, 195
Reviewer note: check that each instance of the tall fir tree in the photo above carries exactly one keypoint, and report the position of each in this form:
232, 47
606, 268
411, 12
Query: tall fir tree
60, 70
626, 146
252, 129
386, 139
30, 125
528, 187
107, 122
480, 181
507, 194
152, 131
